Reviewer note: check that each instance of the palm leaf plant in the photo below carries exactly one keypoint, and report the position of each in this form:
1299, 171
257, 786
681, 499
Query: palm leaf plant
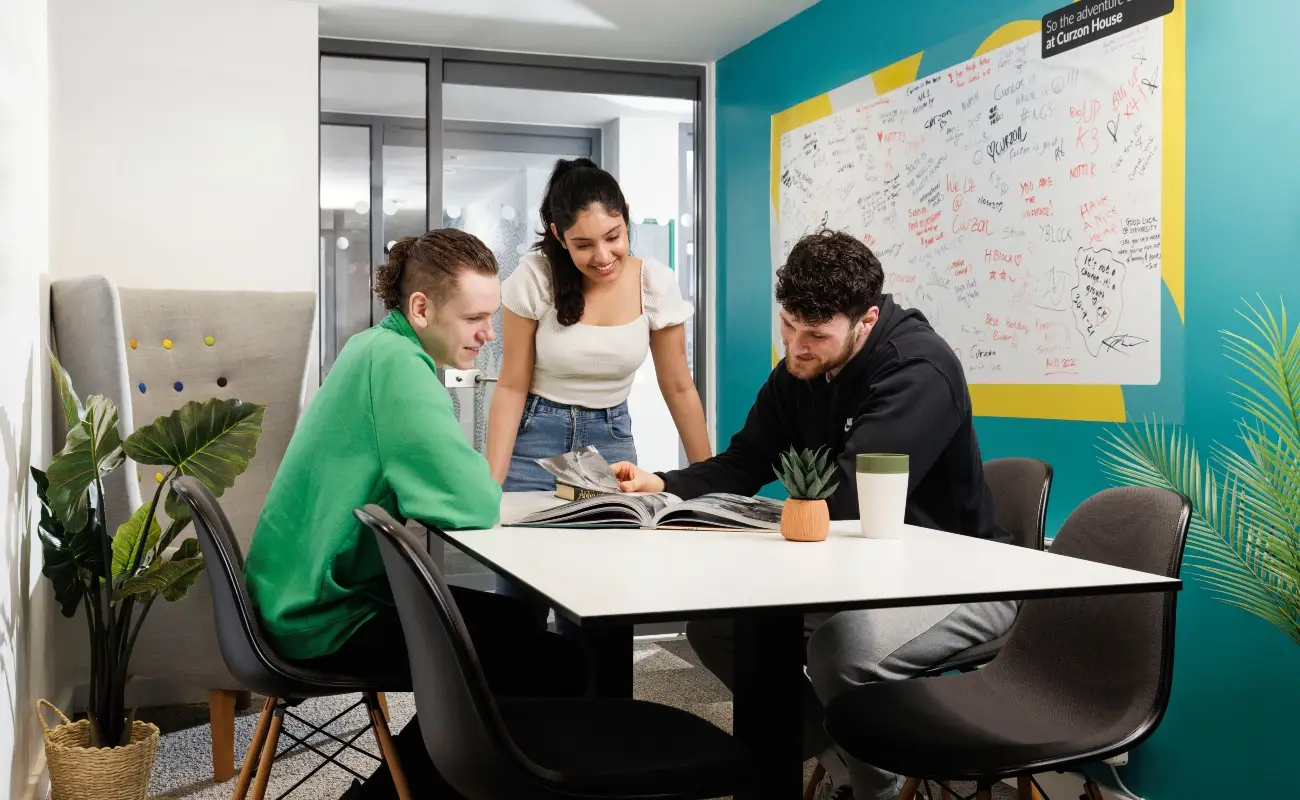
116, 579
1244, 541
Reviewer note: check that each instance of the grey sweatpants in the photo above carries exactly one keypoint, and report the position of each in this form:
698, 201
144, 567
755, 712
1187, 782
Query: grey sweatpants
851, 648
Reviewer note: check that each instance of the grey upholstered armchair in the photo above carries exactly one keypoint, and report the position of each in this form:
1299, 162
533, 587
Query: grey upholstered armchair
150, 351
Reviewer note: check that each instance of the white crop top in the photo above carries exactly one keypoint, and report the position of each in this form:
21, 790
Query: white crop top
590, 365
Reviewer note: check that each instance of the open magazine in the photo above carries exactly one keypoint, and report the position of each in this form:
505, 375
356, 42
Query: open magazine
717, 511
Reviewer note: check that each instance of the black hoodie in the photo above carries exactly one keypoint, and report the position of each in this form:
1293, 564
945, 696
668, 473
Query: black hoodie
904, 392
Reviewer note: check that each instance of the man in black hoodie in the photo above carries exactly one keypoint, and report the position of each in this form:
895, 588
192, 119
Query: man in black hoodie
861, 374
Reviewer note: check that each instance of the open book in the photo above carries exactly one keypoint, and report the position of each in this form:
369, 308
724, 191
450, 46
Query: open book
661, 510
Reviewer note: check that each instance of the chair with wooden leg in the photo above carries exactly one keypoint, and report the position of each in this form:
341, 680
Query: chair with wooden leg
250, 658
128, 343
1080, 679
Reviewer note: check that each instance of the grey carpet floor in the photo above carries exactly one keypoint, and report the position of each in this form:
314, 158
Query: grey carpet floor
665, 672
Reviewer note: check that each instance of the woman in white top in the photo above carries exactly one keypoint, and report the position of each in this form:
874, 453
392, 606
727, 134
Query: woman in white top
579, 317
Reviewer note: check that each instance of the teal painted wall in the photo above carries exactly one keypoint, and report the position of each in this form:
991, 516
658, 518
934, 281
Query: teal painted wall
1231, 726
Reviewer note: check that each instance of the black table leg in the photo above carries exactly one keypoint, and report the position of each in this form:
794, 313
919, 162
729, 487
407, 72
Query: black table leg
611, 655
767, 713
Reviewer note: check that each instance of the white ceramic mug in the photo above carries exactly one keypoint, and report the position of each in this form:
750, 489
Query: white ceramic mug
882, 494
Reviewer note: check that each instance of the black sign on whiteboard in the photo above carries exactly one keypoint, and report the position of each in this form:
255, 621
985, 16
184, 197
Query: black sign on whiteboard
1080, 23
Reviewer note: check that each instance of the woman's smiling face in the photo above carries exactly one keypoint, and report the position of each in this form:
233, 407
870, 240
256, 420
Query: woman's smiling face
597, 242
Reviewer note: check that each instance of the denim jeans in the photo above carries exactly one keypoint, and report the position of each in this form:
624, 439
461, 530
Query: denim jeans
550, 429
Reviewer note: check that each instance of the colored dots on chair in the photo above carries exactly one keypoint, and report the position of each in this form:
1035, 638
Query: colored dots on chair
134, 344
209, 340
141, 385
222, 382
167, 344
158, 476
178, 386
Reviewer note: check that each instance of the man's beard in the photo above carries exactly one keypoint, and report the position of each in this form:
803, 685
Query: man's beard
808, 370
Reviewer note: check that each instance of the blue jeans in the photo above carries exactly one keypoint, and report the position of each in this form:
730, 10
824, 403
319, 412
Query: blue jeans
550, 429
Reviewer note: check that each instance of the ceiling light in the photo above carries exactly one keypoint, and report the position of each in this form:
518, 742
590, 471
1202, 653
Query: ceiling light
390, 208
453, 212
687, 220
341, 243
391, 245
507, 213
362, 207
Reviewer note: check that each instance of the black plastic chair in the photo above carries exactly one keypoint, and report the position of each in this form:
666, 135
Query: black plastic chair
488, 747
251, 659
1080, 679
1020, 488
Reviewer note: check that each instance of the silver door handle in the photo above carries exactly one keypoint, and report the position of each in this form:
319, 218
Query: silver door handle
464, 378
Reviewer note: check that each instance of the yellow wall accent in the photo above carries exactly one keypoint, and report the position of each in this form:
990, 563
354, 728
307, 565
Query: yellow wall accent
899, 73
1011, 32
1173, 169
794, 117
1099, 403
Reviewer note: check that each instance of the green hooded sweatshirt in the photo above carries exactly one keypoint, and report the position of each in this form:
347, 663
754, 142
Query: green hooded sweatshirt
381, 429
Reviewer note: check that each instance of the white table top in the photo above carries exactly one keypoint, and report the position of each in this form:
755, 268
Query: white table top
624, 576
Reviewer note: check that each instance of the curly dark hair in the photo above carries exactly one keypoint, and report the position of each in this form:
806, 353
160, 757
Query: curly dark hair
574, 186
829, 273
430, 264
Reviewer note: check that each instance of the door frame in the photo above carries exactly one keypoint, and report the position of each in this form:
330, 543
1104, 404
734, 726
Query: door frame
557, 74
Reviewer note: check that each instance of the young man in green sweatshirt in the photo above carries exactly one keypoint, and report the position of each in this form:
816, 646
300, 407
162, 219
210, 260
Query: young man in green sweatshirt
381, 429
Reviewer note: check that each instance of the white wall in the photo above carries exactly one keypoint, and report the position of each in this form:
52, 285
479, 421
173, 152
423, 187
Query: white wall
188, 143
648, 151
186, 140
27, 670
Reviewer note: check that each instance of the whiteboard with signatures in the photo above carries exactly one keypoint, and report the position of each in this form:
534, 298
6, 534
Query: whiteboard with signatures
1015, 201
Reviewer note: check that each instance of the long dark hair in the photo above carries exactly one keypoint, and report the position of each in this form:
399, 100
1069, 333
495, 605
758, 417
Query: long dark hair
574, 186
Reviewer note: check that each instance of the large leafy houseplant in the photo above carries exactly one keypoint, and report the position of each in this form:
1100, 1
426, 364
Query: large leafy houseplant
116, 579
1245, 527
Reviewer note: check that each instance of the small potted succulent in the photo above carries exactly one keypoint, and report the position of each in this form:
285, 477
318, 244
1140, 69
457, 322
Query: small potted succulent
809, 477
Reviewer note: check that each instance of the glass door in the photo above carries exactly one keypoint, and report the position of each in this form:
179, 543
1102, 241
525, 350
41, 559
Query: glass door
344, 237
373, 185
494, 176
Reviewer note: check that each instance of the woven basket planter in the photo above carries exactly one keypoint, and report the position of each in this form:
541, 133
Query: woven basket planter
81, 772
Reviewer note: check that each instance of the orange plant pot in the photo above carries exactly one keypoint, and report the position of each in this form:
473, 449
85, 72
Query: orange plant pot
805, 520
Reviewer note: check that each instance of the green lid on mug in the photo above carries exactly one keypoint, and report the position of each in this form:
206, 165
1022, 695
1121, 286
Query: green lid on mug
882, 463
